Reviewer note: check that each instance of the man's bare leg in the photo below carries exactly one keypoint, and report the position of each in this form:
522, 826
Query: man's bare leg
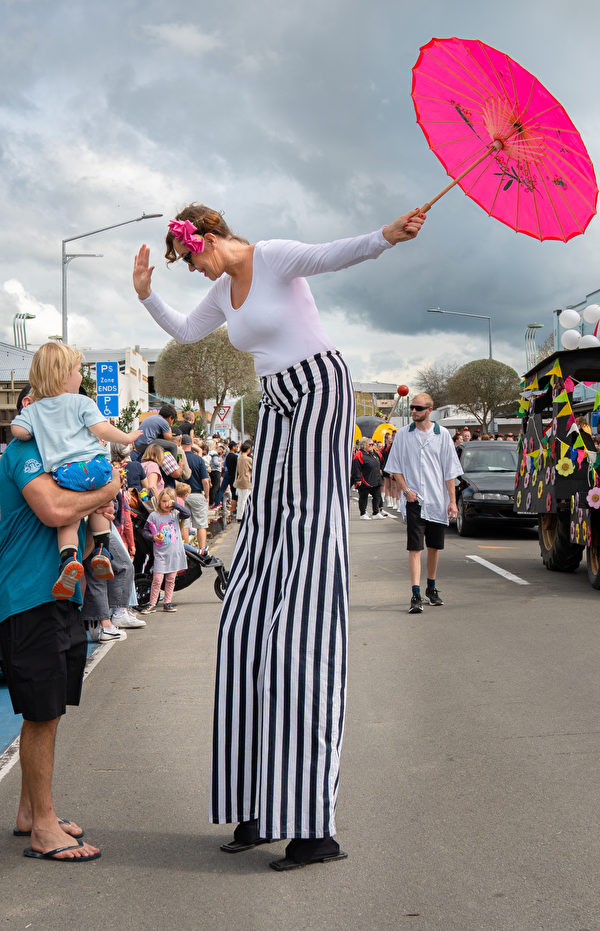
432, 563
36, 752
414, 566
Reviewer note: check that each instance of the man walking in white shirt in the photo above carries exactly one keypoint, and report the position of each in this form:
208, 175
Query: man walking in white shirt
425, 465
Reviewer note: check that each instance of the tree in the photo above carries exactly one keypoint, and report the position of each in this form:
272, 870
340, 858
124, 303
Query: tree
485, 388
210, 368
87, 382
251, 405
434, 381
128, 415
546, 349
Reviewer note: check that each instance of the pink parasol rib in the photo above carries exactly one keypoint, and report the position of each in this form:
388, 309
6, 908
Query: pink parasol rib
504, 139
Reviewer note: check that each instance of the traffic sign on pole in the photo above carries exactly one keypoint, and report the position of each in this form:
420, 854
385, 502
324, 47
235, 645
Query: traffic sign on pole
107, 388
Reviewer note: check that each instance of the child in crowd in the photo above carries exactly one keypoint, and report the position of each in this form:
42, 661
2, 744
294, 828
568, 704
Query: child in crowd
162, 527
71, 434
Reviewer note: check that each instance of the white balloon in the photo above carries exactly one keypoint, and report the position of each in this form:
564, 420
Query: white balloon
569, 318
591, 314
570, 339
587, 341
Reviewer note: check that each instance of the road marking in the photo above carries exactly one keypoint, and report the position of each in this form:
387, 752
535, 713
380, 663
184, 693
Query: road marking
502, 572
485, 547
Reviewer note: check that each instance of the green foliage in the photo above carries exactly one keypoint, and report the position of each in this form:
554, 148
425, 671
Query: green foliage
128, 415
87, 382
211, 368
251, 406
434, 380
484, 388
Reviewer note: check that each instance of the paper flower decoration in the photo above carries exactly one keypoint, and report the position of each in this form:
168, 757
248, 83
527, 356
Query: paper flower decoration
572, 531
518, 500
534, 477
531, 444
186, 232
589, 536
584, 532
548, 475
593, 497
564, 466
528, 502
526, 482
555, 426
553, 476
577, 531
540, 488
548, 502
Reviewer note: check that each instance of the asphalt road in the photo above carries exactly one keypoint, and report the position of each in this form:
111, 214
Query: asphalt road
470, 786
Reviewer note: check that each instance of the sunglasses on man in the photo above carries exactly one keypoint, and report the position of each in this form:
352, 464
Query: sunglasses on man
419, 407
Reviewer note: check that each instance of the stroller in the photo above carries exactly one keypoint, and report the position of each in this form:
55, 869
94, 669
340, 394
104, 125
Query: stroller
144, 557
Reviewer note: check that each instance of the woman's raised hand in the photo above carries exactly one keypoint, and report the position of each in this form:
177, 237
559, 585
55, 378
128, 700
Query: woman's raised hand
142, 273
405, 227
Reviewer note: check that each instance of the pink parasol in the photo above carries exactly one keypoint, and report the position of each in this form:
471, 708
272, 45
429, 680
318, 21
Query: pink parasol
504, 138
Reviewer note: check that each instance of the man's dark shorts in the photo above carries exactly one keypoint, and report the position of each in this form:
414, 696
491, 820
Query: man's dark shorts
43, 654
419, 531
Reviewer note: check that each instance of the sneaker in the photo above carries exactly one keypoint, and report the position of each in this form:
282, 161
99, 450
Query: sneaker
433, 596
127, 620
169, 608
416, 605
379, 516
149, 609
111, 633
101, 564
70, 573
365, 517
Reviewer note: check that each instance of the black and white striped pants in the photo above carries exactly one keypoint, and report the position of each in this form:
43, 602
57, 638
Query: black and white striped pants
281, 665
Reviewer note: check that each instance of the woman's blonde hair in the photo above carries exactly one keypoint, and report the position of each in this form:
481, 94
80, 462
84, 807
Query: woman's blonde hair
50, 368
154, 453
206, 220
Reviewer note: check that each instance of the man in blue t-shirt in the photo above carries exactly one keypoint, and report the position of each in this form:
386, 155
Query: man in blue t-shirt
197, 500
42, 641
158, 428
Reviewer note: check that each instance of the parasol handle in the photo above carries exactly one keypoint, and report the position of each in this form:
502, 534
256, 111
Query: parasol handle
494, 147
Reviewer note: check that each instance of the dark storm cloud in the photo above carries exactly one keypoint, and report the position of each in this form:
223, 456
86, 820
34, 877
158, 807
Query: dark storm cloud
296, 121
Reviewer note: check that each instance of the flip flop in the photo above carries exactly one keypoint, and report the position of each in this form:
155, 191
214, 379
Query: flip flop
285, 864
18, 833
51, 854
238, 846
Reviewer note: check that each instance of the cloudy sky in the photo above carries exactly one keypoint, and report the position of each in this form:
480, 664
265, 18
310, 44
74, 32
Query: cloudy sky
296, 121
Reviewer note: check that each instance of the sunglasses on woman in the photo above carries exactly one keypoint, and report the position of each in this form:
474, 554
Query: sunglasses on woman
419, 407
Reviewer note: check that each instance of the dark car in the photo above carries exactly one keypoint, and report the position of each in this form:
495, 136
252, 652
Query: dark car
485, 491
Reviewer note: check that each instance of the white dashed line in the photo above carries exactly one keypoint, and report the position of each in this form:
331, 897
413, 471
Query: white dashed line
503, 572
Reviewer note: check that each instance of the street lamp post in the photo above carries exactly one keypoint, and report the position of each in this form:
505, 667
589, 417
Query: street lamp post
456, 313
19, 331
67, 258
530, 350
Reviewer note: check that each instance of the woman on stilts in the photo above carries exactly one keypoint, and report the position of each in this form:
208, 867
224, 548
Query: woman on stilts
282, 648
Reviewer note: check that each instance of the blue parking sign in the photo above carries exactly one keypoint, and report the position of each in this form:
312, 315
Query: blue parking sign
107, 378
108, 404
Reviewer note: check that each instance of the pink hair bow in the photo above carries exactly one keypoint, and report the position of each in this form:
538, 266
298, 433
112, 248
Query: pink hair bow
186, 232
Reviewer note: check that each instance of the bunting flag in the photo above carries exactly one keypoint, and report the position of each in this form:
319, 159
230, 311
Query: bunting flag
562, 397
555, 370
572, 425
564, 449
579, 444
597, 461
569, 384
567, 409
597, 401
581, 454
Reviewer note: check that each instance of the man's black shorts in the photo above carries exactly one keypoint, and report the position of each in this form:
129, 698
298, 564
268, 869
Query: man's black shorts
43, 653
419, 531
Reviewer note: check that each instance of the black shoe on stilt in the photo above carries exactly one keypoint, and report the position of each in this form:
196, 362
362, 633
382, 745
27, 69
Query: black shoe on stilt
302, 852
245, 837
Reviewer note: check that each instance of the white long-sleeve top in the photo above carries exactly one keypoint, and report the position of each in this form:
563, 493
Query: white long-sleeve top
278, 322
